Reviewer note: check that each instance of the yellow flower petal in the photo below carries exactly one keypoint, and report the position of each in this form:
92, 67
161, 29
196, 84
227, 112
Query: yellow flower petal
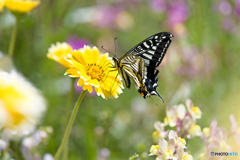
78, 56
59, 52
21, 5
95, 55
88, 87
88, 54
72, 72
1, 4
94, 82
80, 82
104, 59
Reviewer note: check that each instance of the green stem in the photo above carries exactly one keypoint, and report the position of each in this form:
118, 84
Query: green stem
13, 38
65, 151
70, 123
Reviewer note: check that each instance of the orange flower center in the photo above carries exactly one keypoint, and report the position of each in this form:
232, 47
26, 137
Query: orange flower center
95, 71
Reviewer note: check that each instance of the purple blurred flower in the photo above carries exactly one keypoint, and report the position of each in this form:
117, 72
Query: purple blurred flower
103, 154
158, 5
106, 15
79, 89
224, 7
178, 13
3, 145
235, 130
76, 42
237, 10
228, 24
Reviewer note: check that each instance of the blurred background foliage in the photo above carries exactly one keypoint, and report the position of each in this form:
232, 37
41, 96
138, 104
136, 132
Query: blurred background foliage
202, 63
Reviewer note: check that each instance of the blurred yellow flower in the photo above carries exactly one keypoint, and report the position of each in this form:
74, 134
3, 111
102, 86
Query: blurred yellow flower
188, 157
94, 70
169, 121
202, 156
206, 132
21, 5
154, 150
197, 112
59, 52
168, 155
195, 130
1, 4
21, 105
183, 142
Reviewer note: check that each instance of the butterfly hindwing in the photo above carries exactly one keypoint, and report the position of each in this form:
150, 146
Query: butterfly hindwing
133, 67
126, 78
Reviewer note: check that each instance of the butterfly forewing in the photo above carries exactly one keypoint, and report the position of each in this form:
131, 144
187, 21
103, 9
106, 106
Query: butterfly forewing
152, 49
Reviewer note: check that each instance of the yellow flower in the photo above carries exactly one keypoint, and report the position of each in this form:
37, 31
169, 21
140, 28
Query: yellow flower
169, 121
202, 156
195, 130
21, 105
183, 142
206, 132
94, 70
59, 52
154, 150
156, 136
1, 4
168, 154
197, 112
21, 5
188, 157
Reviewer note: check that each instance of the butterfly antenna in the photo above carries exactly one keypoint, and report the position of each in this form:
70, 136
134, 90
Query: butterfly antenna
153, 100
115, 43
106, 50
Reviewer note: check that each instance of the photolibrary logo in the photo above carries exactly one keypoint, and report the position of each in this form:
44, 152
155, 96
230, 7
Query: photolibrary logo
223, 153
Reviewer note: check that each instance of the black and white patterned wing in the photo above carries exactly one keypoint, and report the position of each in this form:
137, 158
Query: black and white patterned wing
153, 49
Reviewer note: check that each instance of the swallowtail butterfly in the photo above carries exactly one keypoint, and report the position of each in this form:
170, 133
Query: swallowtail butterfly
141, 61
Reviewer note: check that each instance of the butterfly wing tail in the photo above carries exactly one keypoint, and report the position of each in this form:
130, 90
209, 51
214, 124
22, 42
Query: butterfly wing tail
151, 83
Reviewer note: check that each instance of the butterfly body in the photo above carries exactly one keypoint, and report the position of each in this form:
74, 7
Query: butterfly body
141, 61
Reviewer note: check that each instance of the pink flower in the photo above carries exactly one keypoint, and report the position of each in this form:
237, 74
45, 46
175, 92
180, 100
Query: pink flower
237, 9
224, 7
158, 5
235, 130
105, 16
77, 43
178, 13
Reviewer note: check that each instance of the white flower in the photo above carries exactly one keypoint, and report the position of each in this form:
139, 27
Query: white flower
173, 149
21, 104
174, 114
195, 130
195, 112
159, 133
